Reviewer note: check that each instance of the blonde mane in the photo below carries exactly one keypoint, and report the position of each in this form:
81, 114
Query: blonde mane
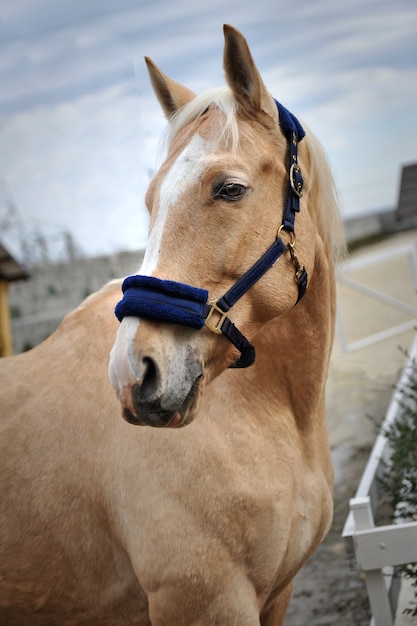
330, 218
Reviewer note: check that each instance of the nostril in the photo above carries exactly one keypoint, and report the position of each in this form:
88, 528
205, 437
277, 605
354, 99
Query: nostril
151, 380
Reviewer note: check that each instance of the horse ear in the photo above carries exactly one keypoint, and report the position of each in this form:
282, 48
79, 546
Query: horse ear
171, 95
243, 77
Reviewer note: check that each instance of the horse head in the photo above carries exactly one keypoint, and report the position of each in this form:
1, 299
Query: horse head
224, 208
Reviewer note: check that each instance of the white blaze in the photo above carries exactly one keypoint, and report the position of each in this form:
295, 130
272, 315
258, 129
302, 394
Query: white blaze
184, 172
122, 365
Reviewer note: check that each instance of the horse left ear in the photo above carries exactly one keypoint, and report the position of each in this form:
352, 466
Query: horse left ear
243, 77
171, 95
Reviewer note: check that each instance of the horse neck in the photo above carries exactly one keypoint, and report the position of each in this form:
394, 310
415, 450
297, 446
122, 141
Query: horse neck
294, 350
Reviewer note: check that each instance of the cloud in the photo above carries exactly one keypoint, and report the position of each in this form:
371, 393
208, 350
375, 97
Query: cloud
84, 166
80, 127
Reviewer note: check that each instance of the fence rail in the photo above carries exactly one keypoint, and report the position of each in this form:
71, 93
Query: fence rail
407, 251
377, 550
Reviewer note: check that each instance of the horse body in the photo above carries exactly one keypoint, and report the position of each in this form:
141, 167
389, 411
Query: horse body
107, 523
55, 460
93, 514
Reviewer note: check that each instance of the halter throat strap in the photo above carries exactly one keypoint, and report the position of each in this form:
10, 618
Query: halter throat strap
177, 303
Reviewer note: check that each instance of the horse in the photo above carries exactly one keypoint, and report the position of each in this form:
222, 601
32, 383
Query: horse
186, 478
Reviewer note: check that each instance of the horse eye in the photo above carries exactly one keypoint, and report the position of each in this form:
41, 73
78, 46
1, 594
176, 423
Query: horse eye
230, 191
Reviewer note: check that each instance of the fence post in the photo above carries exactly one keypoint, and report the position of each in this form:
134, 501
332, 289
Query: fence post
374, 579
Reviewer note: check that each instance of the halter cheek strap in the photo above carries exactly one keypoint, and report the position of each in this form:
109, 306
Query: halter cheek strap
177, 303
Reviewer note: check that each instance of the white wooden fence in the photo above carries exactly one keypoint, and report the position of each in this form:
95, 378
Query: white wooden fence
361, 264
377, 550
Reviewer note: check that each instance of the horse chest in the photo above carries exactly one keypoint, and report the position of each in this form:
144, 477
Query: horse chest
224, 519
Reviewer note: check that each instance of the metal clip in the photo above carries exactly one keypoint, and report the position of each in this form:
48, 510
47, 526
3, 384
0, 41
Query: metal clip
215, 325
299, 267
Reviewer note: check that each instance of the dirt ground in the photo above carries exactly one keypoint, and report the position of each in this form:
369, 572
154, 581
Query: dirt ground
329, 590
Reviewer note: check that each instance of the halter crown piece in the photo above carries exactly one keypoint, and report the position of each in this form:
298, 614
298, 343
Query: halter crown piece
177, 303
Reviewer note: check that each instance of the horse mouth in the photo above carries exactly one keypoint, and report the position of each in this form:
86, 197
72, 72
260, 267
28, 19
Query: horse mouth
153, 414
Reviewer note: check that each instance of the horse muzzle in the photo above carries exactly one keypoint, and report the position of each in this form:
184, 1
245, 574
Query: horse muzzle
152, 412
157, 374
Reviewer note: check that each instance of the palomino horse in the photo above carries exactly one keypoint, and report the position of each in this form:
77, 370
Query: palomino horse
104, 522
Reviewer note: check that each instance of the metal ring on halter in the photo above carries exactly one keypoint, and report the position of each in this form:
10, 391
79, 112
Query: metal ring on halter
290, 232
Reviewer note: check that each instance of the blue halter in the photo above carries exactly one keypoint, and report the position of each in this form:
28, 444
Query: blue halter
177, 303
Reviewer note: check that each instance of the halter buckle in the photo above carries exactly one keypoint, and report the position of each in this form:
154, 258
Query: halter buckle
296, 180
212, 324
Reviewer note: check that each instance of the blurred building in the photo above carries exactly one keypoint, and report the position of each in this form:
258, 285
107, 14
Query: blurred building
10, 270
407, 201
385, 222
38, 306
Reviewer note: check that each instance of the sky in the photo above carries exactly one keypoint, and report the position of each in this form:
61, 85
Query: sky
80, 127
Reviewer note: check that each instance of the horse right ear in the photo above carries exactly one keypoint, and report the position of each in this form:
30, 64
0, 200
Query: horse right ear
171, 95
243, 76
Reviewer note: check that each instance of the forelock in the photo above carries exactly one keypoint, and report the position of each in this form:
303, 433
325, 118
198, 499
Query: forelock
223, 99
